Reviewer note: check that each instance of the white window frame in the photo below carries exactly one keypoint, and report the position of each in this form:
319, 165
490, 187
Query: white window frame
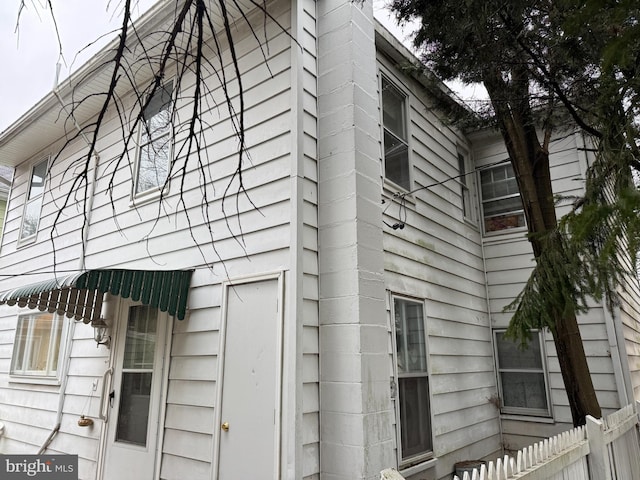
413, 459
57, 340
536, 336
514, 213
384, 81
153, 191
466, 180
35, 201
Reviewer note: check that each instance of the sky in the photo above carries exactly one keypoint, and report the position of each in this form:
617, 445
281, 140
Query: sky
29, 48
30, 52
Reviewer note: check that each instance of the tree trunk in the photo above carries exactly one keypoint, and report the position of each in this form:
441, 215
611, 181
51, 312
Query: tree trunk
575, 371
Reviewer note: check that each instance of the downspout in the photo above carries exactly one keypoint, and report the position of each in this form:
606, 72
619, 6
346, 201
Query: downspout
81, 266
92, 184
491, 337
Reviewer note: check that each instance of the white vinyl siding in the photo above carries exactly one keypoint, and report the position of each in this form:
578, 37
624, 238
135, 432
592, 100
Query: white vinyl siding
437, 257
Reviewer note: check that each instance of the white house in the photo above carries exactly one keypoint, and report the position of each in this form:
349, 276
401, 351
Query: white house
344, 320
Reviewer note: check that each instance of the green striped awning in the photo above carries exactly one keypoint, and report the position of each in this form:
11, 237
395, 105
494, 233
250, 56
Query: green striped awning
80, 295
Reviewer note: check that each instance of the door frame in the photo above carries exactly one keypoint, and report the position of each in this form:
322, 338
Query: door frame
116, 324
227, 289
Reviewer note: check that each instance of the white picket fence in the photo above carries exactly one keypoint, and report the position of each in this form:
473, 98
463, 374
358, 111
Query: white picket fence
605, 449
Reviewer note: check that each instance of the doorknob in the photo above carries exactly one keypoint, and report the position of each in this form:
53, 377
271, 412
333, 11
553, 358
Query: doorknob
225, 426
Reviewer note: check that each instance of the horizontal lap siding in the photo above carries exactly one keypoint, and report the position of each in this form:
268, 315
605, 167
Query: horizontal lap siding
437, 257
29, 410
509, 261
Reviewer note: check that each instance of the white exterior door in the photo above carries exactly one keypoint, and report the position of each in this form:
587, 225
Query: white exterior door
135, 395
250, 398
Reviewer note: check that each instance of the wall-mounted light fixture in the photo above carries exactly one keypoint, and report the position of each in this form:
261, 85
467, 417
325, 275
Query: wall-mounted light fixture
100, 332
100, 326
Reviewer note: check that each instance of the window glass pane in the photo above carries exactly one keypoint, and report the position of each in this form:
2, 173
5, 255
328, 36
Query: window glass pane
413, 380
501, 202
141, 338
156, 126
393, 113
37, 180
462, 168
133, 414
31, 218
509, 204
524, 390
511, 356
410, 336
161, 100
153, 164
20, 344
415, 420
137, 375
155, 141
504, 222
396, 160
37, 345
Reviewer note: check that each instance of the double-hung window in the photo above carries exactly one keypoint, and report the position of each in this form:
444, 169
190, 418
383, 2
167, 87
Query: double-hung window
33, 204
501, 202
413, 406
521, 375
155, 142
37, 347
395, 141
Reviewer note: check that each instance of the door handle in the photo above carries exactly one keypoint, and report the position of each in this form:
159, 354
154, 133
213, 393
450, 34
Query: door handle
104, 410
225, 426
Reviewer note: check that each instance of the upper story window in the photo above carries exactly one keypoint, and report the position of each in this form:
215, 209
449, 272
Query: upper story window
467, 187
33, 204
501, 202
395, 141
413, 404
36, 350
521, 375
155, 142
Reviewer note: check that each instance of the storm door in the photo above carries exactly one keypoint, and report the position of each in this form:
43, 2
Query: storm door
136, 394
